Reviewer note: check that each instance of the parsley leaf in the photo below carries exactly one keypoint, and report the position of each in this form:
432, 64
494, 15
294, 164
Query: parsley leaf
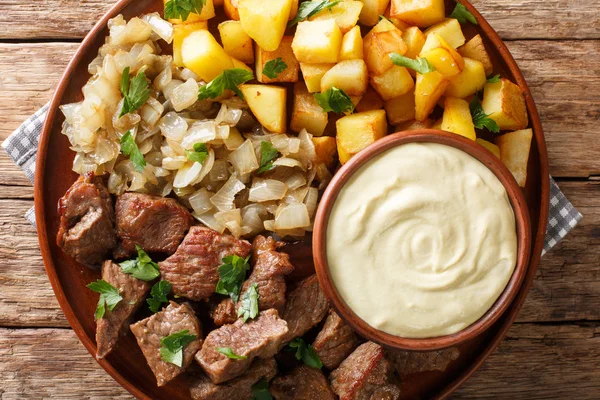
228, 79
171, 347
267, 154
306, 353
249, 306
109, 296
199, 153
494, 79
481, 120
335, 100
421, 65
159, 293
135, 93
463, 15
141, 267
181, 9
309, 8
229, 353
130, 148
260, 390
231, 276
274, 67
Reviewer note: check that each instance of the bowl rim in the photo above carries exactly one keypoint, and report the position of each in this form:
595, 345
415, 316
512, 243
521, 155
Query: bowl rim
523, 226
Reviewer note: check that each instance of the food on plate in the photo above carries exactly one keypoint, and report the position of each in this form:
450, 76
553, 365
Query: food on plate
265, 22
335, 341
307, 113
268, 104
457, 118
411, 362
303, 383
236, 41
475, 50
446, 221
357, 131
514, 148
317, 42
504, 103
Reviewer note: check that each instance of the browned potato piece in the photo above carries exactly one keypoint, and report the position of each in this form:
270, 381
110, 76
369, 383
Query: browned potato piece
345, 14
457, 118
444, 58
414, 125
317, 41
514, 153
307, 113
231, 9
414, 39
395, 82
397, 23
490, 146
371, 11
370, 101
475, 50
326, 149
284, 51
401, 109
313, 73
422, 13
504, 103
450, 30
293, 10
383, 39
357, 131
352, 45
428, 90
351, 76
236, 41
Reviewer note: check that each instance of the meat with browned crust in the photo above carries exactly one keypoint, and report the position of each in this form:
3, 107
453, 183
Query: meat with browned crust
87, 219
201, 388
112, 323
412, 362
149, 332
365, 375
156, 224
193, 269
304, 383
335, 342
260, 337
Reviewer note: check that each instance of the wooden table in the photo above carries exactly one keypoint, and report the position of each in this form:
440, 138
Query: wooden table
553, 351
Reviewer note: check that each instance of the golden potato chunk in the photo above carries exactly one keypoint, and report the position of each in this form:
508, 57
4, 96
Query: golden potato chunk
422, 13
352, 45
414, 39
357, 131
383, 39
239, 64
504, 103
284, 51
444, 58
208, 11
395, 82
313, 73
268, 104
345, 14
401, 109
180, 32
371, 11
471, 80
414, 125
307, 113
201, 53
351, 76
326, 149
475, 50
370, 101
231, 9
428, 90
457, 118
495, 150
317, 42
450, 30
236, 41
265, 21
514, 153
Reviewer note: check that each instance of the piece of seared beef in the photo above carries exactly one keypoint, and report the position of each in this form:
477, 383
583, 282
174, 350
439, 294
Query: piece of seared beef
335, 342
156, 224
201, 388
260, 337
304, 383
364, 374
270, 269
112, 323
305, 307
87, 220
193, 269
148, 332
412, 362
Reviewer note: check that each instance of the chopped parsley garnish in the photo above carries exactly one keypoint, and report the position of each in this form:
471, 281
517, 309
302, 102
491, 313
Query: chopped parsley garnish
421, 65
228, 79
231, 276
131, 149
141, 267
306, 353
199, 153
335, 100
268, 153
181, 9
135, 92
309, 8
230, 354
109, 296
494, 79
463, 15
171, 347
274, 67
481, 120
249, 306
260, 390
158, 295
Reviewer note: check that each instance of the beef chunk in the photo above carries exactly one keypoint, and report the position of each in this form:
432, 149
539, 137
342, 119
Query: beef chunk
304, 383
193, 269
202, 388
412, 362
148, 332
133, 292
306, 306
156, 224
260, 337
87, 220
335, 342
364, 375
270, 269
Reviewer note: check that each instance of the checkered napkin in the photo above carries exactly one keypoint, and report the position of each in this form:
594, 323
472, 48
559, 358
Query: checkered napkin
21, 146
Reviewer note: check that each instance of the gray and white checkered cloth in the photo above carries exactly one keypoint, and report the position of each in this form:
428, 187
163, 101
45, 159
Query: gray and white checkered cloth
21, 146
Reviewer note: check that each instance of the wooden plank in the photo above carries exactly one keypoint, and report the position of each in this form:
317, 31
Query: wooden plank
519, 19
10, 174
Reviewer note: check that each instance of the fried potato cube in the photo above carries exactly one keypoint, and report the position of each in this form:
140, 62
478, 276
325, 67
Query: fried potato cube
293, 10
265, 21
236, 41
352, 45
495, 150
231, 9
370, 101
326, 149
438, 124
428, 90
268, 104
239, 64
218, 3
514, 153
357, 131
422, 13
371, 11
397, 23
313, 73
475, 50
208, 11
317, 42
307, 113
470, 81
401, 108
201, 53
450, 30
351, 76
345, 14
444, 58
414, 125
414, 39
504, 103
457, 118
284, 51
180, 32
395, 82
383, 39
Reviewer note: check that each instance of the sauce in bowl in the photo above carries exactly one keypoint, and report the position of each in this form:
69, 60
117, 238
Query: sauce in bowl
421, 240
